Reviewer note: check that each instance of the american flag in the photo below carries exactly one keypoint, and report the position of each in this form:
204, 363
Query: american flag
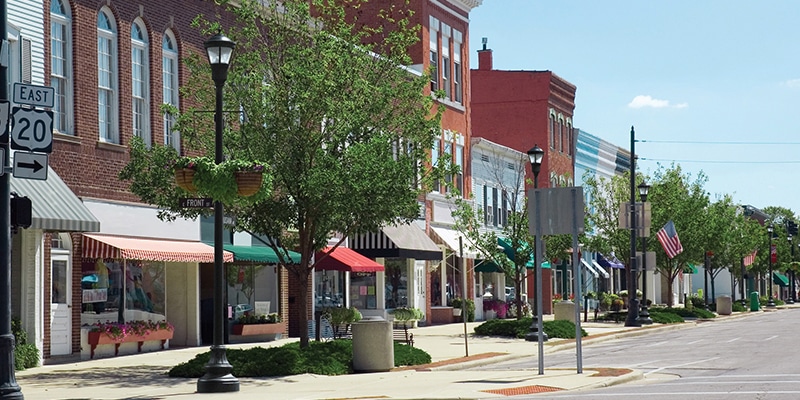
668, 237
750, 258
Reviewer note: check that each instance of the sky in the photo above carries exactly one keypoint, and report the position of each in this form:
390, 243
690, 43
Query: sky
712, 86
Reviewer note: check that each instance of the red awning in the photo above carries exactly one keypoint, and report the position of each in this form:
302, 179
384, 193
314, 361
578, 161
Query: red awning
136, 248
344, 259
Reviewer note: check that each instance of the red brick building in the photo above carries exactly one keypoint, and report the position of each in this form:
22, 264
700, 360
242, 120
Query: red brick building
520, 109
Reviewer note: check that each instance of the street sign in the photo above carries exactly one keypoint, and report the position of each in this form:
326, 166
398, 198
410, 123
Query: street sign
33, 130
5, 106
33, 95
197, 202
30, 165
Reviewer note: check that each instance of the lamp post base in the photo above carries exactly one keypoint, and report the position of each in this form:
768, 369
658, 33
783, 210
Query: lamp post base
644, 316
771, 303
9, 389
218, 377
533, 333
633, 313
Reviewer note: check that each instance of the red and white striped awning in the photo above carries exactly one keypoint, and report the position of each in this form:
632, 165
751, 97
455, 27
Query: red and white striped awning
137, 248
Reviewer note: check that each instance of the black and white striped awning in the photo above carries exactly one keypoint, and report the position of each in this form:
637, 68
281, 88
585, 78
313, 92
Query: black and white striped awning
54, 207
397, 241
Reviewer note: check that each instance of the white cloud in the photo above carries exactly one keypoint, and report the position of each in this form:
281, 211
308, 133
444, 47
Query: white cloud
642, 101
792, 83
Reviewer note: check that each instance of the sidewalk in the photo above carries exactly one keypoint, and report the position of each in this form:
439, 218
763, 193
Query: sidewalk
143, 376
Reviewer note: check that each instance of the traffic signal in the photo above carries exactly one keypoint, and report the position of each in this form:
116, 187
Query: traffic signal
791, 227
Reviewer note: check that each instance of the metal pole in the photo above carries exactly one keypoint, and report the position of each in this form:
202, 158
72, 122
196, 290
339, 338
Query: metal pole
633, 302
577, 277
538, 251
464, 289
535, 332
790, 300
644, 314
770, 302
742, 283
218, 377
9, 389
705, 280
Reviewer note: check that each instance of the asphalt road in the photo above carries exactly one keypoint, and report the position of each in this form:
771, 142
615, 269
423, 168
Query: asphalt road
755, 357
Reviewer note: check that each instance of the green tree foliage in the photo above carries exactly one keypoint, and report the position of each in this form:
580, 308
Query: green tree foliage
331, 106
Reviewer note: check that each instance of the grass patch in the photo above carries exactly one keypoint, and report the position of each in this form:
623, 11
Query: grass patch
323, 358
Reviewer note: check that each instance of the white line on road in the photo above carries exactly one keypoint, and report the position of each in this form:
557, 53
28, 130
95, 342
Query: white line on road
770, 338
658, 344
680, 365
696, 341
733, 340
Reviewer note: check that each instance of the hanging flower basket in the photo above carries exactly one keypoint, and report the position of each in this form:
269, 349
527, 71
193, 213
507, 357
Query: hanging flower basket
249, 182
184, 178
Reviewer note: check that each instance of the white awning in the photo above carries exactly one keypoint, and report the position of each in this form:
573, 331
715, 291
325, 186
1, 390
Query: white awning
600, 268
450, 239
590, 268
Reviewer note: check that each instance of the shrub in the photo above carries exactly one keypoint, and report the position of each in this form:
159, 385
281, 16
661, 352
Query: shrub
456, 303
520, 327
662, 317
685, 312
322, 358
26, 355
407, 314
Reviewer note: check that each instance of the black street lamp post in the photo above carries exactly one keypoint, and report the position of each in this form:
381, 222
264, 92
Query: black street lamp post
790, 299
633, 300
644, 313
771, 301
536, 154
218, 377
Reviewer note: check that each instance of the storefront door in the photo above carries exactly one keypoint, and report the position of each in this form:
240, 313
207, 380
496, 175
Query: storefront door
60, 316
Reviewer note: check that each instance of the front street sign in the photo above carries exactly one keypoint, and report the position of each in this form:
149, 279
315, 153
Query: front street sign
196, 202
30, 165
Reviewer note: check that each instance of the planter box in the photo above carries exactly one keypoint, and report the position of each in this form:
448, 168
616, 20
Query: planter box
254, 333
100, 338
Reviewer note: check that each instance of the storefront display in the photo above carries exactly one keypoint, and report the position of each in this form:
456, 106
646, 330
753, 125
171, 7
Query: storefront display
122, 290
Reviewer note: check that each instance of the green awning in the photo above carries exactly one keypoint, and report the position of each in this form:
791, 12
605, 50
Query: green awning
510, 252
689, 269
780, 279
487, 266
261, 254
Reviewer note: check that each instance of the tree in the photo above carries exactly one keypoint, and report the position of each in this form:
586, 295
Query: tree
343, 125
675, 196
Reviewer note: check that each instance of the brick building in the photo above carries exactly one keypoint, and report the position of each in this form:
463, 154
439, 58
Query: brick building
520, 109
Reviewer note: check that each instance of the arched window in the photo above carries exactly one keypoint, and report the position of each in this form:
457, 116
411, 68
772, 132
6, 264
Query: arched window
107, 77
140, 79
169, 67
60, 68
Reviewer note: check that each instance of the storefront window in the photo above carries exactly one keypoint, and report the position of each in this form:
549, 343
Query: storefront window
144, 286
330, 289
396, 283
362, 290
252, 289
454, 282
104, 282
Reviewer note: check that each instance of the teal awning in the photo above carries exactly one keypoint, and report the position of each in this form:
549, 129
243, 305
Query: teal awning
260, 254
487, 266
510, 252
780, 279
690, 269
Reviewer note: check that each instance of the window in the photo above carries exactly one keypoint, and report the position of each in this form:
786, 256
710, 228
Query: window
433, 33
169, 65
504, 211
60, 71
434, 161
552, 131
140, 78
496, 214
448, 152
107, 76
457, 73
487, 219
559, 129
570, 137
446, 71
460, 163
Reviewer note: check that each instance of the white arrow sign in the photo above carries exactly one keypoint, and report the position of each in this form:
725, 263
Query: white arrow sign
33, 130
5, 106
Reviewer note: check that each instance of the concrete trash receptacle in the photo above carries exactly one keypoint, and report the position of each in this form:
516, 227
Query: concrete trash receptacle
564, 310
373, 348
724, 305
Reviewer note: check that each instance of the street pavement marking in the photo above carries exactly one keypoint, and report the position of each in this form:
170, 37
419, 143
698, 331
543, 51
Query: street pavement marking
733, 340
696, 341
770, 338
680, 365
658, 344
